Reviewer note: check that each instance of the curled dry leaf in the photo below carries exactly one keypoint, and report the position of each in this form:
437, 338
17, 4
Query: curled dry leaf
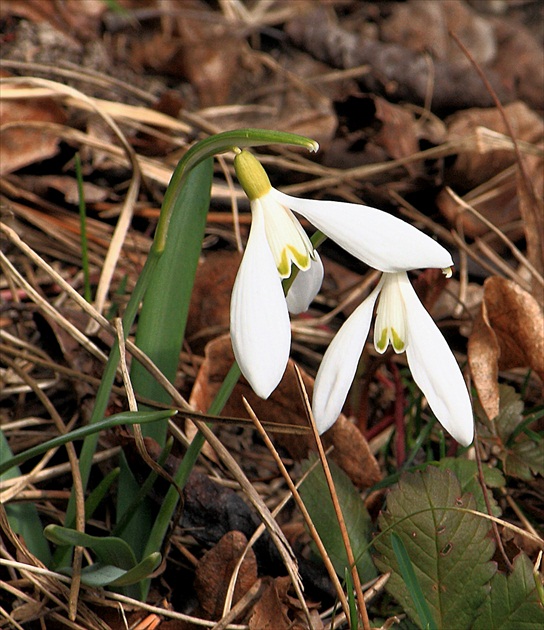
215, 570
271, 610
508, 333
472, 168
21, 144
351, 451
493, 190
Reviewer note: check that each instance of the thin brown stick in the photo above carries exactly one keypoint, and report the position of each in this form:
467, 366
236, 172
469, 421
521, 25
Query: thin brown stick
78, 486
337, 508
300, 504
481, 481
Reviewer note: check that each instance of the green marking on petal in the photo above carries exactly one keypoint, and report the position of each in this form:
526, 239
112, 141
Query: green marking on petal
291, 255
383, 341
301, 259
284, 264
398, 344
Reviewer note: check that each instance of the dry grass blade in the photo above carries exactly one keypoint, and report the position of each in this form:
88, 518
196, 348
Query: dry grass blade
300, 503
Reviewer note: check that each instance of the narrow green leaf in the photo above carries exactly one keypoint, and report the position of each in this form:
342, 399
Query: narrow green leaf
126, 417
102, 575
350, 591
450, 550
23, 517
140, 572
316, 497
97, 495
108, 550
163, 316
513, 603
412, 585
98, 574
83, 230
161, 327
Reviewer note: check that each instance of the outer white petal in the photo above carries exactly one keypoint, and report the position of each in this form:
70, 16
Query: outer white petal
305, 287
379, 239
259, 320
339, 364
435, 369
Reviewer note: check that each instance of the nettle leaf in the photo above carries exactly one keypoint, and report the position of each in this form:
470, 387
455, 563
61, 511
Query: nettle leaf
466, 472
315, 494
450, 550
521, 455
513, 603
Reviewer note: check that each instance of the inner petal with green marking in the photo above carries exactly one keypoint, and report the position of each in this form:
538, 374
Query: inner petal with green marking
390, 327
288, 242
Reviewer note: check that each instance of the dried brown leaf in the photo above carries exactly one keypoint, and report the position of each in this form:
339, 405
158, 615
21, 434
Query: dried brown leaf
483, 359
472, 168
270, 613
215, 570
518, 322
532, 214
22, 146
508, 333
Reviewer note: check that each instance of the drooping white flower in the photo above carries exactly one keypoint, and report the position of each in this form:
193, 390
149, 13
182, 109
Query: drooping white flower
260, 327
403, 322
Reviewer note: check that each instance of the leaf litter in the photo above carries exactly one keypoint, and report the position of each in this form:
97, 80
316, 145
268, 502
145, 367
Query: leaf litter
403, 121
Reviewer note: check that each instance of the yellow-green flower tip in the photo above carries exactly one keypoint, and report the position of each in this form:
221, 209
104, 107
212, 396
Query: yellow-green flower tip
251, 175
448, 272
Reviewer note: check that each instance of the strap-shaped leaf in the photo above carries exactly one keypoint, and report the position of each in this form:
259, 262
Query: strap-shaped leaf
109, 550
100, 574
513, 603
449, 549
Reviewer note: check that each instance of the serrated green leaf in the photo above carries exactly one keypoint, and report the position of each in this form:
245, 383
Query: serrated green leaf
513, 603
109, 550
466, 472
520, 454
510, 412
523, 458
450, 550
316, 497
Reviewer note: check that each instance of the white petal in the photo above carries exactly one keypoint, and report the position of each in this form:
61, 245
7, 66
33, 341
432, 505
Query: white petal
379, 239
339, 364
259, 321
435, 369
305, 287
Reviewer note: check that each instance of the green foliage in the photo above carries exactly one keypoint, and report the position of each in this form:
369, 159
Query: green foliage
23, 517
412, 585
315, 494
466, 472
513, 603
521, 451
116, 564
449, 549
